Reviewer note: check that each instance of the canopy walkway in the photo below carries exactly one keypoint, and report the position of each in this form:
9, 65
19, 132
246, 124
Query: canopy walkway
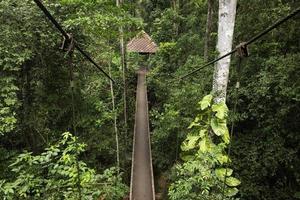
142, 182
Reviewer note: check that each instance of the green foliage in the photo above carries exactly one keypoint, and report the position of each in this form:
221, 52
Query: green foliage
172, 101
164, 25
35, 99
13, 53
165, 138
202, 175
36, 105
265, 148
8, 104
100, 20
269, 136
42, 176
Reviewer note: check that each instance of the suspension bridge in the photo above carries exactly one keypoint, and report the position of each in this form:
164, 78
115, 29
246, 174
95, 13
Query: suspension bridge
142, 178
142, 182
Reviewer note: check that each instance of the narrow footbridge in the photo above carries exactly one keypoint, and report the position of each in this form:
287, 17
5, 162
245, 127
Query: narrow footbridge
142, 182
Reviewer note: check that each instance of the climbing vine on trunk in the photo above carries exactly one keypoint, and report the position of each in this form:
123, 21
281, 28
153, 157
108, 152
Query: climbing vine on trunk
205, 168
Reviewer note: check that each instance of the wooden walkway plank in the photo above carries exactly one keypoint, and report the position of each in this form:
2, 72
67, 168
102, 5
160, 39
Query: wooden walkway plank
142, 183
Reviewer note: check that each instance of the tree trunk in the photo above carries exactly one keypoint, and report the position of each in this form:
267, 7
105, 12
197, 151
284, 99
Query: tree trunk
115, 118
227, 12
208, 28
27, 128
175, 6
124, 68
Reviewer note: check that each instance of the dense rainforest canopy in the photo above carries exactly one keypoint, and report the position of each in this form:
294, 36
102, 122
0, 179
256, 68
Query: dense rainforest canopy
66, 133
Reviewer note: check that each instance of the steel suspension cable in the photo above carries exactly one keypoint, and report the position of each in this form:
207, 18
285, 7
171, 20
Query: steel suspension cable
66, 36
250, 41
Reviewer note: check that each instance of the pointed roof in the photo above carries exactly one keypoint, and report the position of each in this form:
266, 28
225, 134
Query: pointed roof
142, 43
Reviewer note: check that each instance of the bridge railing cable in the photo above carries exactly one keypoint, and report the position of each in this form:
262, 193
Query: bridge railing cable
66, 35
250, 41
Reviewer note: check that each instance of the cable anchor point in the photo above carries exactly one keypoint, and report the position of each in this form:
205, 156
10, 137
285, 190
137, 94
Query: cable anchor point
68, 44
242, 50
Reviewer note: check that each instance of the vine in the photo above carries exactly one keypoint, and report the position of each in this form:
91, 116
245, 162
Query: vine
205, 162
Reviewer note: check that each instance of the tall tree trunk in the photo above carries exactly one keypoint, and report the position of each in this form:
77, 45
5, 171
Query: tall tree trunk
124, 68
208, 28
138, 10
227, 12
27, 128
115, 118
175, 6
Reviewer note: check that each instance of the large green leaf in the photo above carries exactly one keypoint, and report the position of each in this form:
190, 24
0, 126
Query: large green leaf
231, 192
219, 126
221, 110
205, 144
226, 137
190, 142
233, 182
222, 158
205, 102
220, 172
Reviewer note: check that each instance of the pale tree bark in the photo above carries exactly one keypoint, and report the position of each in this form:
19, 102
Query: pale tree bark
124, 69
208, 28
175, 7
227, 12
115, 117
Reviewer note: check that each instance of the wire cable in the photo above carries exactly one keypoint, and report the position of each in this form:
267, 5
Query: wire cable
250, 41
66, 35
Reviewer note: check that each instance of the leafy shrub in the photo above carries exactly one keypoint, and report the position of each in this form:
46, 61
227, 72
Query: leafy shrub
54, 174
204, 175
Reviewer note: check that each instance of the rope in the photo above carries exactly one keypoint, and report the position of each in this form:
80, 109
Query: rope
65, 34
250, 41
